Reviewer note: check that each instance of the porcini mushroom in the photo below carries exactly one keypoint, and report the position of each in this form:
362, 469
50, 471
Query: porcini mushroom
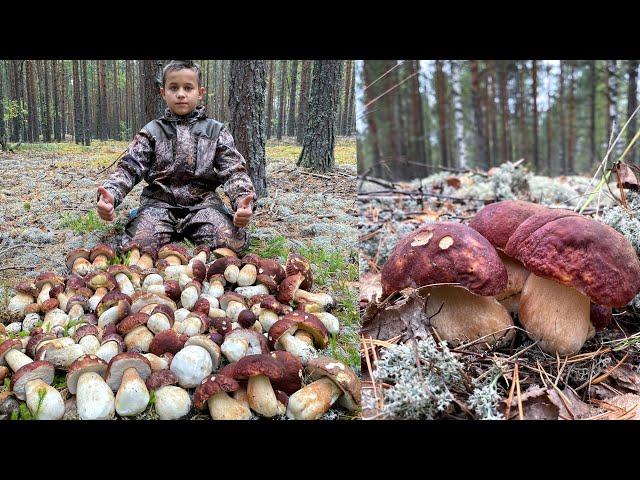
126, 374
260, 370
213, 390
191, 365
289, 289
171, 402
94, 398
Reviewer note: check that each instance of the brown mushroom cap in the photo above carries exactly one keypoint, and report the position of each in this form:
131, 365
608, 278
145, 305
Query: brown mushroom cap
161, 378
246, 318
600, 316
99, 279
142, 298
580, 253
102, 249
49, 304
445, 252
77, 300
48, 277
42, 370
112, 298
115, 269
224, 252
270, 303
85, 330
113, 337
202, 248
311, 324
278, 329
288, 287
296, 263
219, 266
167, 341
122, 362
222, 325
75, 282
130, 322
34, 342
497, 221
229, 297
84, 364
291, 381
75, 254
166, 311
172, 289
8, 345
218, 277
211, 386
174, 250
150, 250
343, 376
262, 364
28, 288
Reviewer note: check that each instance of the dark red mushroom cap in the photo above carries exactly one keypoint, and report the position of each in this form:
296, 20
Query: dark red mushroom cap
202, 305
216, 337
77, 300
270, 303
172, 289
222, 325
256, 299
75, 254
445, 252
291, 381
310, 324
161, 378
84, 364
56, 290
85, 330
130, 322
202, 248
102, 249
112, 298
262, 364
174, 250
282, 397
278, 329
246, 318
28, 288
115, 269
114, 337
35, 341
131, 246
167, 341
288, 287
497, 221
229, 370
150, 250
220, 265
122, 362
75, 282
166, 311
8, 345
42, 370
90, 318
343, 376
48, 277
231, 297
199, 270
581, 253
49, 304
296, 263
211, 386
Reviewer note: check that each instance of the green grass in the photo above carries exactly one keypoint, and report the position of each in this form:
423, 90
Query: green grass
89, 222
59, 381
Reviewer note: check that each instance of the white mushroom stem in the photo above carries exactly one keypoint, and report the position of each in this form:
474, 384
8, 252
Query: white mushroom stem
54, 318
132, 397
109, 316
181, 314
157, 363
240, 396
297, 347
44, 401
16, 359
133, 257
202, 256
267, 318
158, 322
125, 284
247, 275
314, 400
190, 326
76, 312
43, 296
81, 266
63, 298
323, 299
183, 280
148, 308
216, 289
217, 312
174, 272
18, 302
304, 337
262, 398
100, 262
231, 274
152, 279
556, 315
223, 407
331, 323
146, 261
90, 344
172, 402
189, 297
234, 348
96, 297
108, 350
213, 301
63, 357
94, 398
252, 290
140, 338
173, 260
233, 309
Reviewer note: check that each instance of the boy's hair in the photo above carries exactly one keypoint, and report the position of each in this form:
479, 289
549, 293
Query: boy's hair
175, 65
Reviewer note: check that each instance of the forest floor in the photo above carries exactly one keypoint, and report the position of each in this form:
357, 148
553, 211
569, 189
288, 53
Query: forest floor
47, 208
602, 381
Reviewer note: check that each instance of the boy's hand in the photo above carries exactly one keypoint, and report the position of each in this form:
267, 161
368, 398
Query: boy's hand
243, 212
106, 210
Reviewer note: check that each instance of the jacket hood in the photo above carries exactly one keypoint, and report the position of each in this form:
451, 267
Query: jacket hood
197, 113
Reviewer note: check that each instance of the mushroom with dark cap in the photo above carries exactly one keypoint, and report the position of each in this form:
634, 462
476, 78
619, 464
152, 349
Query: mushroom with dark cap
213, 390
573, 259
291, 381
135, 332
191, 365
241, 342
26, 295
260, 370
126, 374
100, 256
87, 337
332, 380
296, 263
167, 341
289, 289
44, 283
173, 254
171, 402
123, 276
461, 272
111, 345
94, 398
78, 261
161, 319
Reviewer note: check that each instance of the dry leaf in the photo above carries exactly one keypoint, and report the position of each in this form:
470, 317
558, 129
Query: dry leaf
627, 378
370, 287
626, 176
577, 409
535, 405
628, 405
454, 182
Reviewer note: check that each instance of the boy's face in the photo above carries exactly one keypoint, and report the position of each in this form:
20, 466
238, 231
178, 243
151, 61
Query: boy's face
181, 91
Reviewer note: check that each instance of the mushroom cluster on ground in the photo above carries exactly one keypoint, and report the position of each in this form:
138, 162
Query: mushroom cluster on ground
559, 271
238, 338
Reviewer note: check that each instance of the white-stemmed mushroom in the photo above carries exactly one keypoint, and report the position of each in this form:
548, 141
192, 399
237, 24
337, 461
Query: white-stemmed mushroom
126, 374
94, 398
191, 365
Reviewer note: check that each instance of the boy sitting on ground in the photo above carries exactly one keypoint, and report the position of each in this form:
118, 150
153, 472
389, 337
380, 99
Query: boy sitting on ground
183, 156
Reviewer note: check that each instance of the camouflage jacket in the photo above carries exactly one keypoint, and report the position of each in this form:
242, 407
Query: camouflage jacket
183, 159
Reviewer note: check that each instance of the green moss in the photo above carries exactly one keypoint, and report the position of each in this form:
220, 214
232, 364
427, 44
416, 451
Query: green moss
90, 222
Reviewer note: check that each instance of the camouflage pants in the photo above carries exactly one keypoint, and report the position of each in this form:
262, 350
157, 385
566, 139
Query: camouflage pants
157, 226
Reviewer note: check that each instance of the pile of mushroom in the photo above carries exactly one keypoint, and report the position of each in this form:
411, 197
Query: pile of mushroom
559, 271
209, 332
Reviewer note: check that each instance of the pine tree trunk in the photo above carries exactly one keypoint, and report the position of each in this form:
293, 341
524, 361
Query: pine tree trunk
246, 107
272, 67
522, 112
371, 119
282, 95
534, 98
612, 103
593, 81
150, 88
291, 120
442, 114
116, 103
303, 102
493, 117
351, 111
222, 114
57, 131
17, 132
3, 131
319, 140
505, 143
32, 102
480, 140
416, 120
86, 117
426, 110
632, 104
129, 106
456, 93
64, 105
344, 118
44, 85
563, 156
78, 129
549, 120
572, 121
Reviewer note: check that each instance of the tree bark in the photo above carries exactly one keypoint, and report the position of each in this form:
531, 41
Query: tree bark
3, 132
303, 102
351, 111
282, 95
272, 67
344, 118
480, 140
34, 131
458, 113
549, 120
442, 114
593, 81
57, 131
534, 98
291, 120
319, 140
371, 119
572, 121
246, 107
416, 120
86, 117
43, 69
505, 143
563, 156
612, 103
116, 103
491, 103
150, 89
129, 106
632, 104
64, 105
78, 130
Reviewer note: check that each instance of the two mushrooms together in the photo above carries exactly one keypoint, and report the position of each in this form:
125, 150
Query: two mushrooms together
560, 271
